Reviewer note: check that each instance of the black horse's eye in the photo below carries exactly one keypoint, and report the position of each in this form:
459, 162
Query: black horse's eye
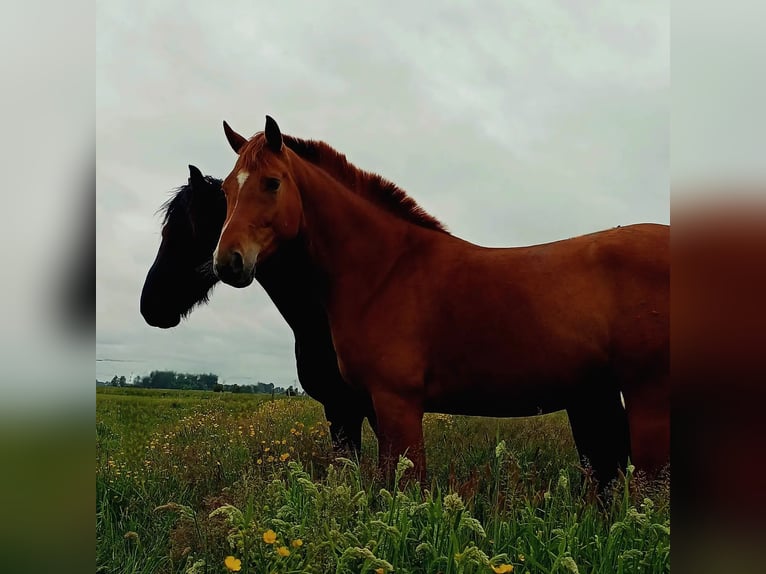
272, 184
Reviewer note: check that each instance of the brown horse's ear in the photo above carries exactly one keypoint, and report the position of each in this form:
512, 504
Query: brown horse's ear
195, 176
273, 135
236, 141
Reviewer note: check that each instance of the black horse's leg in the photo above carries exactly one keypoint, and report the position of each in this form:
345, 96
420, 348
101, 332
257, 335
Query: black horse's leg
346, 420
600, 428
346, 428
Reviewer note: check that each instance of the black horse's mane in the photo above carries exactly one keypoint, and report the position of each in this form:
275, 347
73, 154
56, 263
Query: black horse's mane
180, 201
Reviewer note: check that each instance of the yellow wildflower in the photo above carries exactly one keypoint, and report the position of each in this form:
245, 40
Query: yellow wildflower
283, 551
269, 537
233, 564
521, 558
503, 568
259, 461
379, 571
297, 542
284, 456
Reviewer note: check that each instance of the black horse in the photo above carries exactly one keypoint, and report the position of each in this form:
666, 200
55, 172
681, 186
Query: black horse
182, 277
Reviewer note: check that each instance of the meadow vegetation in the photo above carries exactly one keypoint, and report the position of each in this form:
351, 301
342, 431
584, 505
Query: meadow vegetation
203, 482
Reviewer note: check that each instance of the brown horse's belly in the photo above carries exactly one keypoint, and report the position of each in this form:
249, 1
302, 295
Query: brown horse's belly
481, 396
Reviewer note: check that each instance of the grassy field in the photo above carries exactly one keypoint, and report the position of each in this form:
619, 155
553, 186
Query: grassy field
216, 482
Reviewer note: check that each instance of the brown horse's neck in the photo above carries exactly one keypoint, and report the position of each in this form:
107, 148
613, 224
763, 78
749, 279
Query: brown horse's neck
345, 233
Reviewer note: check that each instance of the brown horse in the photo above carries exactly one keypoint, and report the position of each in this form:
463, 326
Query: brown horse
425, 321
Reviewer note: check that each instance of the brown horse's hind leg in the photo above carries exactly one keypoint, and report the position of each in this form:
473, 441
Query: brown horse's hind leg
600, 430
648, 407
400, 432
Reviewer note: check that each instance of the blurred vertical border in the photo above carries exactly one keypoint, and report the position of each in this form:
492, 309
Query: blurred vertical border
718, 285
47, 403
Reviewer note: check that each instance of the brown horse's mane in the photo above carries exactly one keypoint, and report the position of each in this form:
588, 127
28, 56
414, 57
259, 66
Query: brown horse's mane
371, 186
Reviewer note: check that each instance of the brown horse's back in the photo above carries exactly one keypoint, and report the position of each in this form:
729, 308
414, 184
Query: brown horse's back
530, 326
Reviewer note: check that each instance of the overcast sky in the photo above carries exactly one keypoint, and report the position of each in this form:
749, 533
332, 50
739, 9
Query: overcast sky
520, 123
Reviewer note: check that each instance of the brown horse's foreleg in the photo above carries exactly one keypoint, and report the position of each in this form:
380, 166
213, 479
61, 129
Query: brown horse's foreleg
648, 407
400, 432
600, 430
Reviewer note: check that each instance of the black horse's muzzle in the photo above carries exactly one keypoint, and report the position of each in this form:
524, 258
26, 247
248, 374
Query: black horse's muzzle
157, 315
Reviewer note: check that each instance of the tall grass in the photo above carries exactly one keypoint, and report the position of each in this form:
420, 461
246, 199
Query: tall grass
186, 479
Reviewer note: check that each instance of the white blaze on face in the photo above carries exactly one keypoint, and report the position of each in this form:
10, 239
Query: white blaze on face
242, 178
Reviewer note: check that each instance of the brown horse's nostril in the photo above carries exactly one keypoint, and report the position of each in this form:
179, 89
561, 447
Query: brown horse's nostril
236, 263
231, 269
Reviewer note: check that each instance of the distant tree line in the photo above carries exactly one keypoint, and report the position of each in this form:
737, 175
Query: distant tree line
173, 380
258, 387
195, 382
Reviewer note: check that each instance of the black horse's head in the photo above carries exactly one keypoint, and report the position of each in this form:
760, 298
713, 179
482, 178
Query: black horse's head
182, 273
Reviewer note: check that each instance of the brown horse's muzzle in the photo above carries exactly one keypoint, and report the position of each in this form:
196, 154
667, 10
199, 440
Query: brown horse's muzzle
230, 268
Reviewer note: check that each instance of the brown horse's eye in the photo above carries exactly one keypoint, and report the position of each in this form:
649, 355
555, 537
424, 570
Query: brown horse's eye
272, 184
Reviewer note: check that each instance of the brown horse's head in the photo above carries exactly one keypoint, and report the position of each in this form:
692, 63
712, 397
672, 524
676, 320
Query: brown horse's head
263, 204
